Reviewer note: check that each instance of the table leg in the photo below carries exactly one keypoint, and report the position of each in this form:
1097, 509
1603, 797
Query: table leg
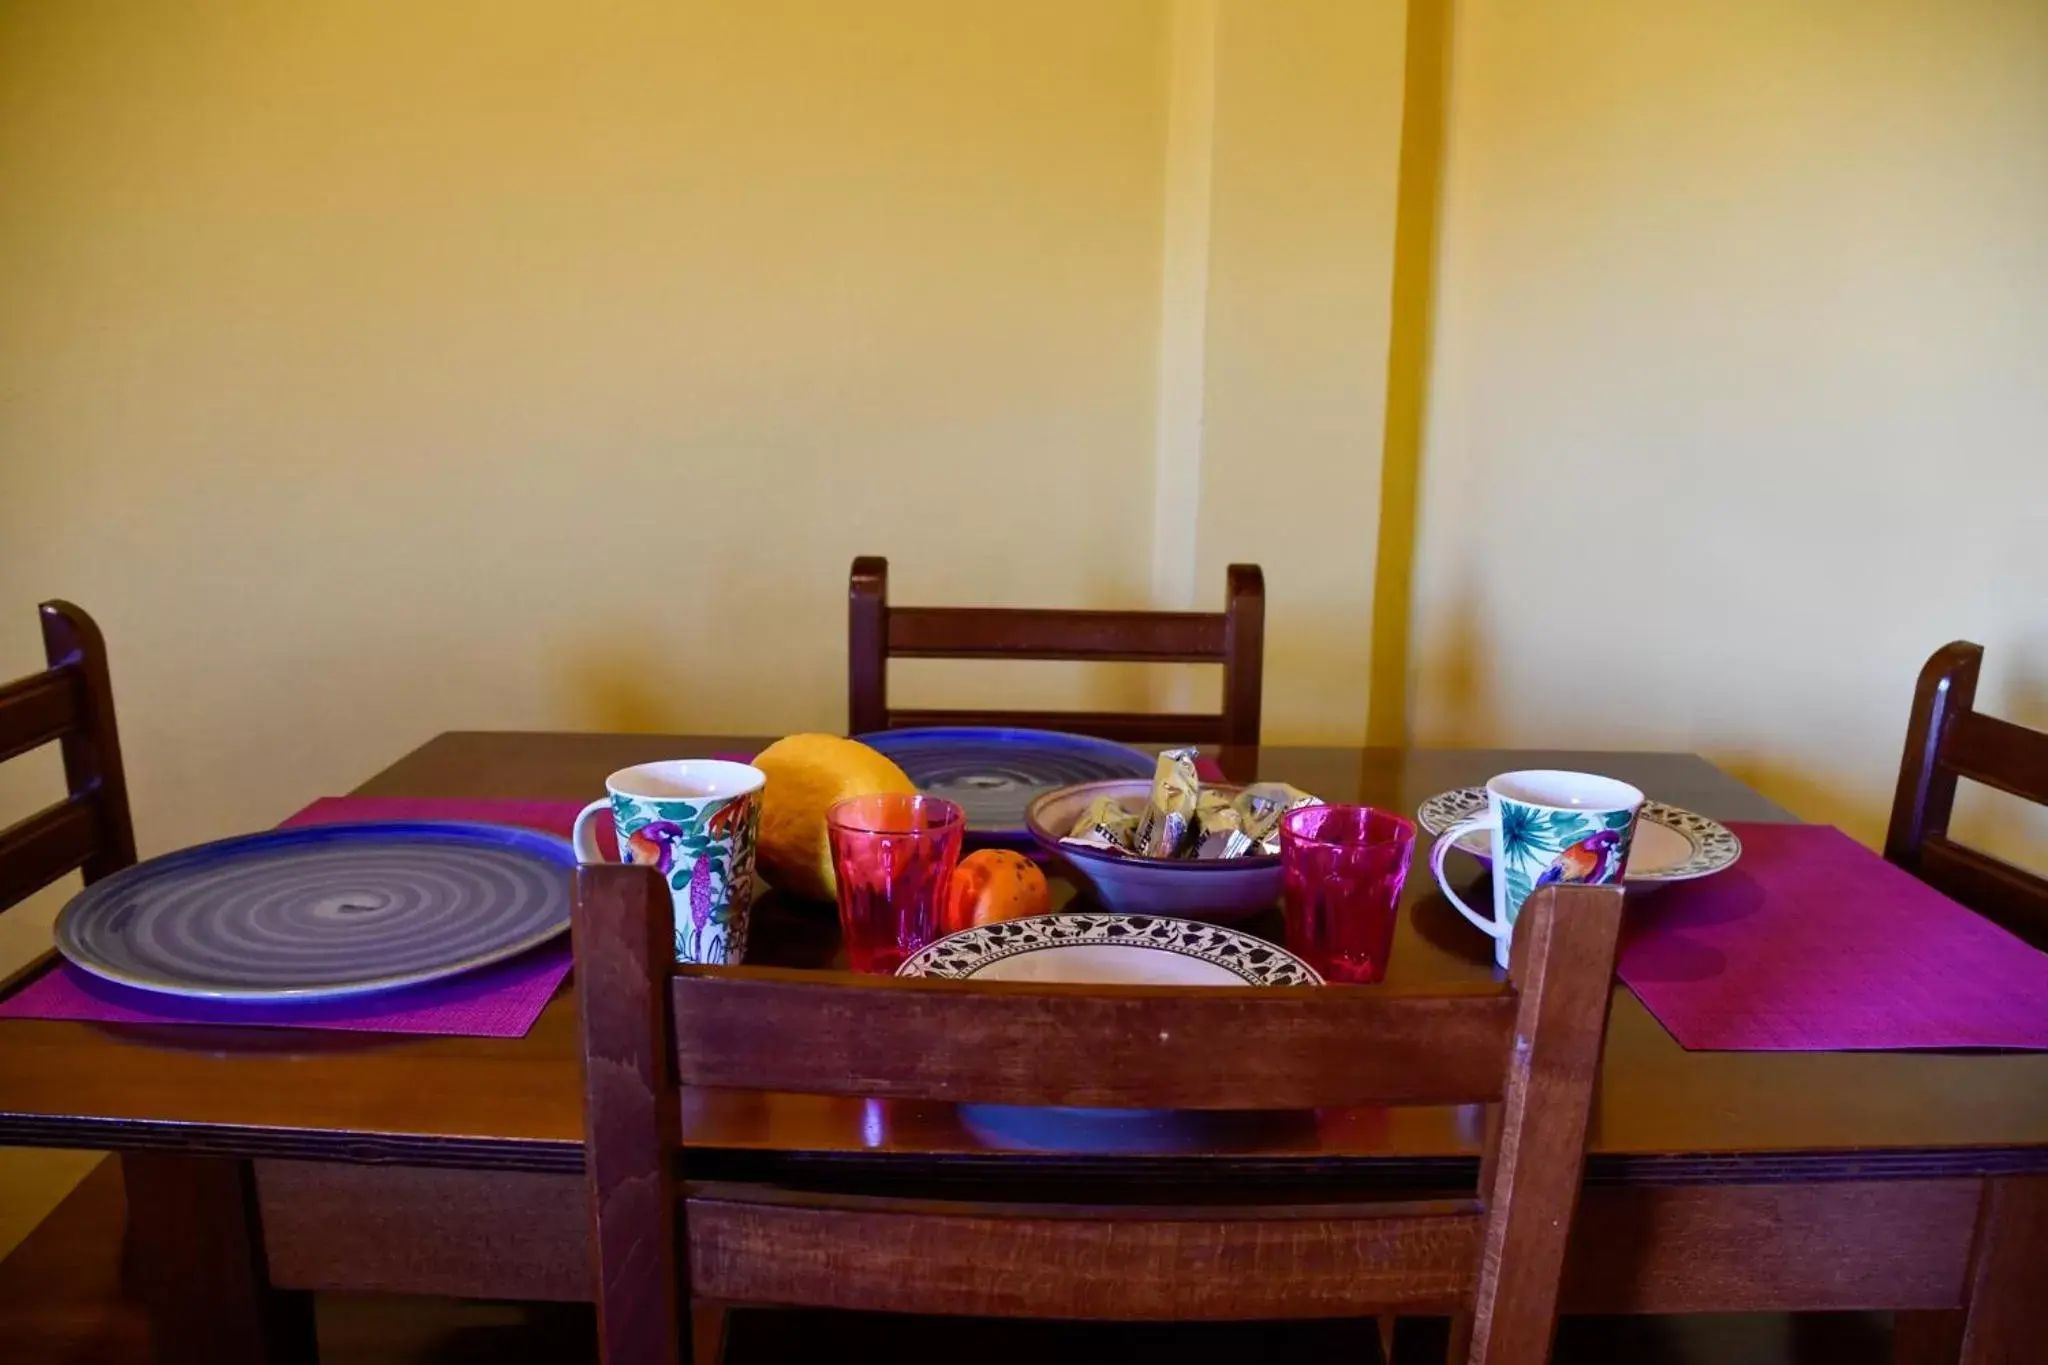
2006, 1313
195, 1249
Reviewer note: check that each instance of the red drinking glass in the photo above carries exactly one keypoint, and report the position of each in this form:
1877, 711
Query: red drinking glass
1341, 870
893, 855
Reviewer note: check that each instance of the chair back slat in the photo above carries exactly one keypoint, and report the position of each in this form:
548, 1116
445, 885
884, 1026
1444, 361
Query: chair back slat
649, 1028
70, 704
1025, 633
2002, 892
37, 710
1948, 739
839, 1251
1018, 1043
1129, 727
39, 849
1233, 637
1998, 754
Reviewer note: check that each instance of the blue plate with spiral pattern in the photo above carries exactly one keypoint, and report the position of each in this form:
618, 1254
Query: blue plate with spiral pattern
322, 911
995, 774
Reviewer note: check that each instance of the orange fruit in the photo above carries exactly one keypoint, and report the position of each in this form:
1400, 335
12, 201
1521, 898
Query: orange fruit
995, 884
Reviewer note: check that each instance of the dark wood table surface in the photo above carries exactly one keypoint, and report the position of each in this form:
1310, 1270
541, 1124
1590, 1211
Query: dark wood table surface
1664, 1112
452, 1165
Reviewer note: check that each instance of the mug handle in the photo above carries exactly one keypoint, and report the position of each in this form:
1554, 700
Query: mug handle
581, 835
1444, 843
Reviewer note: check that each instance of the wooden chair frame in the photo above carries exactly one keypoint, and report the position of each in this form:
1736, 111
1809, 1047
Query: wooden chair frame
1233, 637
660, 1241
70, 704
1948, 739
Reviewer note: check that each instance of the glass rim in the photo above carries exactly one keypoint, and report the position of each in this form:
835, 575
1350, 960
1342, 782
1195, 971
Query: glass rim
1404, 829
946, 814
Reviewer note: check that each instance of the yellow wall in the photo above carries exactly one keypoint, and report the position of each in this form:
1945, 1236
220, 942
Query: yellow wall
376, 369
1740, 396
1308, 121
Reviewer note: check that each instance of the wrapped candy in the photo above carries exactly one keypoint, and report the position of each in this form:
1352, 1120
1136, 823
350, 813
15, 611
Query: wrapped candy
1262, 804
1182, 819
1166, 827
1106, 824
1219, 825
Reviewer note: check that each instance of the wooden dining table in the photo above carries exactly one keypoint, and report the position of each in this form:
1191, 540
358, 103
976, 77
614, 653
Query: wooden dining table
265, 1163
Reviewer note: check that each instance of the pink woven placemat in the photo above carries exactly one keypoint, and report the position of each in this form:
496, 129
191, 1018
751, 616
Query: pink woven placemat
499, 1001
1813, 943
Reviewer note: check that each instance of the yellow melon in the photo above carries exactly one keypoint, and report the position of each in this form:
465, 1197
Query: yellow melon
806, 775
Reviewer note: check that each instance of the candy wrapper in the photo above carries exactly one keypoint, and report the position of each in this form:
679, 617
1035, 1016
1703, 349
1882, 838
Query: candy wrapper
1220, 826
1167, 825
1182, 819
1107, 824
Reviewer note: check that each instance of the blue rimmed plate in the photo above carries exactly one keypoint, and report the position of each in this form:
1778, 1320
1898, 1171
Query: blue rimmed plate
322, 911
994, 774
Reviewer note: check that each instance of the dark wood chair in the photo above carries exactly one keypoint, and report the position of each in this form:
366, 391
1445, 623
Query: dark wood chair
1233, 637
663, 1244
70, 704
65, 1294
1948, 739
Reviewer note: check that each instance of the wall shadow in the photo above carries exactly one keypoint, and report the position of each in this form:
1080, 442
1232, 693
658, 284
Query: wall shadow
1425, 82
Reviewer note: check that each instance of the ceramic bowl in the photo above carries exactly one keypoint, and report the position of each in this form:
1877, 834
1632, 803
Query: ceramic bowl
1216, 890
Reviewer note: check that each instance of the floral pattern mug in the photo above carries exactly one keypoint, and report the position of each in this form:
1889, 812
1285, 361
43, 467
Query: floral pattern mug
696, 820
1547, 827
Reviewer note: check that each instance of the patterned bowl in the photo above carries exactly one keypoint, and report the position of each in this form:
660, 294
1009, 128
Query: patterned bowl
1216, 890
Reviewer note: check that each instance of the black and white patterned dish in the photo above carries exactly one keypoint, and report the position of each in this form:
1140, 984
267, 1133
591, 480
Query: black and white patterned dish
321, 911
1110, 949
1671, 844
994, 774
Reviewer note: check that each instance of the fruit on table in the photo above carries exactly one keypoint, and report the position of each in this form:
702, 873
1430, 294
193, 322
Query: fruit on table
806, 775
995, 884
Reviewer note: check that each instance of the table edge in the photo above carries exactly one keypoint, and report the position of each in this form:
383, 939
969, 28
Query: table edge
551, 1156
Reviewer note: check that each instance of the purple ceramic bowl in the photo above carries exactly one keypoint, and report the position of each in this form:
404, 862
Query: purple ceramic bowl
1214, 890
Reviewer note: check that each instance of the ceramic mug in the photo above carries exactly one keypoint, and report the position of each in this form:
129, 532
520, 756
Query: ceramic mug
696, 820
1546, 827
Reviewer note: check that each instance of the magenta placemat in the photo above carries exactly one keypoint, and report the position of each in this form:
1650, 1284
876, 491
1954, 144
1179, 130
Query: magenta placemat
500, 1001
1813, 943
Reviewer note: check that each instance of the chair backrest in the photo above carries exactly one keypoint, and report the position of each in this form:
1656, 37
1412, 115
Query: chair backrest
1947, 739
70, 703
1233, 637
1494, 1260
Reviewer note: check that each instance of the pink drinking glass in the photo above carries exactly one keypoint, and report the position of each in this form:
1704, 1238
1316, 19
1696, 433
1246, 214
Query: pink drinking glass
893, 855
1341, 870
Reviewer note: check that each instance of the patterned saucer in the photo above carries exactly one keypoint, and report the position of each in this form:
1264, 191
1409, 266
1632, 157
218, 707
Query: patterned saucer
994, 774
321, 911
1125, 950
1671, 844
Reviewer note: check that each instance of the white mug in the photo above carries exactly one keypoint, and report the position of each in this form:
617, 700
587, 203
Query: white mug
696, 820
1547, 826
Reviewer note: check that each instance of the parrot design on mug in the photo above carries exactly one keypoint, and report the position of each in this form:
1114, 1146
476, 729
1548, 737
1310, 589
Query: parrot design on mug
654, 843
1595, 860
